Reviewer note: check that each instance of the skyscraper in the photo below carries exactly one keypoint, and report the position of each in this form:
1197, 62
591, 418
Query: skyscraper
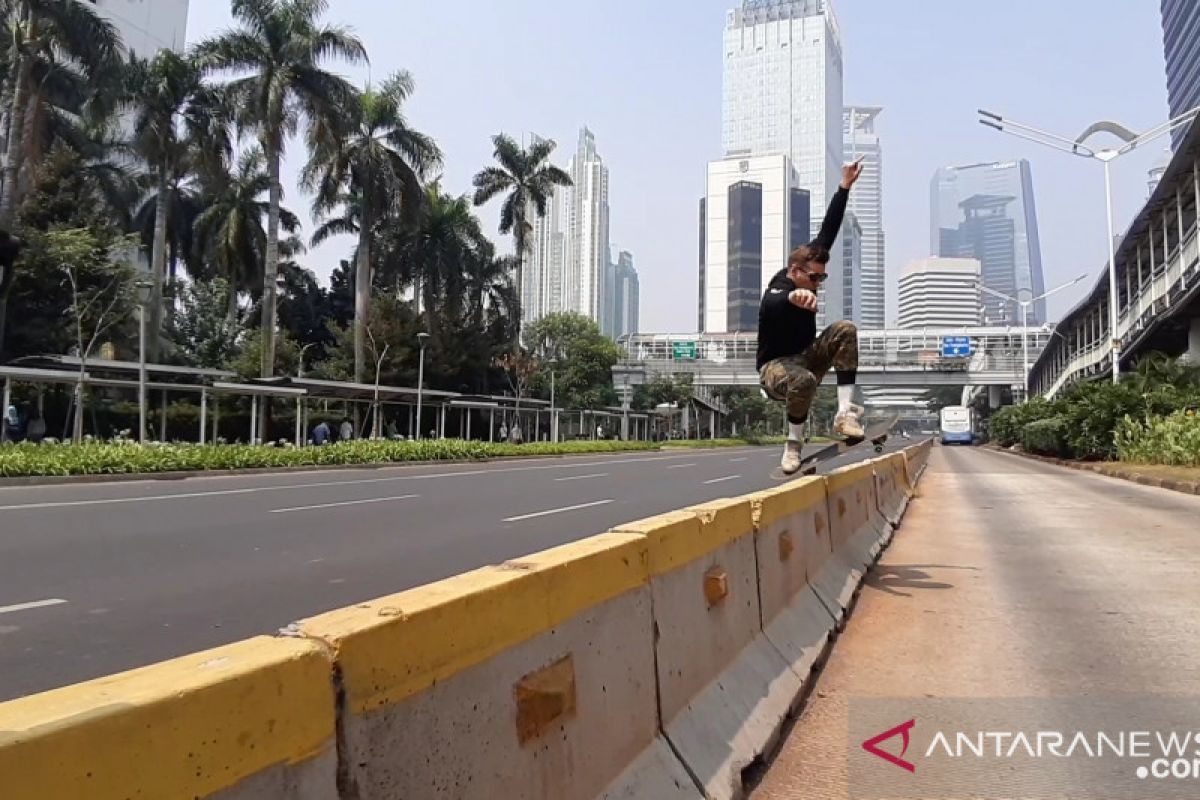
148, 26
544, 271
1181, 44
587, 256
852, 267
626, 305
940, 293
783, 94
568, 266
987, 212
866, 203
752, 217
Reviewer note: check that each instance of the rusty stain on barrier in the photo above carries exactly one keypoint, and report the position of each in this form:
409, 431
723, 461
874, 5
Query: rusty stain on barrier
544, 697
716, 586
786, 547
841, 505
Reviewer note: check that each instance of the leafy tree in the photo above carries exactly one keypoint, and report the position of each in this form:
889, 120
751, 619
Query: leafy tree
202, 330
581, 357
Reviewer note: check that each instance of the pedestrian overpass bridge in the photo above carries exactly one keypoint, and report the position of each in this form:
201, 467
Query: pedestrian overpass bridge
925, 357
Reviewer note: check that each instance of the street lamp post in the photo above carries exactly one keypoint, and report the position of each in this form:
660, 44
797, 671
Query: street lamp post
421, 338
144, 288
300, 426
1076, 147
1025, 305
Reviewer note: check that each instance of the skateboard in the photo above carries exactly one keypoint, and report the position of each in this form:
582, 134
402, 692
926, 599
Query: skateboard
877, 435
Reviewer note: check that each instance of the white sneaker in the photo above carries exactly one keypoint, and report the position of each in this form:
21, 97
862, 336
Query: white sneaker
791, 458
849, 423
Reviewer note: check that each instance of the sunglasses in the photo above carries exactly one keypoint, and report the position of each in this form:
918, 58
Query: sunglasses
816, 277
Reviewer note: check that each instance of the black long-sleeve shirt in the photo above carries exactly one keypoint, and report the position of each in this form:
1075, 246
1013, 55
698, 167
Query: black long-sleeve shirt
783, 329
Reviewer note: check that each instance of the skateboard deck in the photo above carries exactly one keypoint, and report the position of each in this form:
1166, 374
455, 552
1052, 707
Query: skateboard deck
875, 435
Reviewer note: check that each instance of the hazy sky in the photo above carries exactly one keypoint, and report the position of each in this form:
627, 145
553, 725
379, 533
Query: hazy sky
646, 78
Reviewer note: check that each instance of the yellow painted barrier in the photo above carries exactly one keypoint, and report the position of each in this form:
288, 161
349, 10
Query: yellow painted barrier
724, 690
792, 541
250, 720
532, 679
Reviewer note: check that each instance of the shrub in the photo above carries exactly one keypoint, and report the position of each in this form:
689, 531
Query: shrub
1173, 440
1045, 437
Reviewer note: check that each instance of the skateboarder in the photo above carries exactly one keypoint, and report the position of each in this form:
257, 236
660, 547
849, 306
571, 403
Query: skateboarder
792, 358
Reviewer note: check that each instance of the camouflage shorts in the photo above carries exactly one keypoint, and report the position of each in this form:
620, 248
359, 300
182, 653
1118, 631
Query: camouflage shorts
794, 379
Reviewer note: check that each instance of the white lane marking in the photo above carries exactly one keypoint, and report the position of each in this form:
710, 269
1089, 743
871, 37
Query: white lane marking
346, 503
581, 477
722, 480
28, 606
579, 507
737, 460
326, 484
681, 466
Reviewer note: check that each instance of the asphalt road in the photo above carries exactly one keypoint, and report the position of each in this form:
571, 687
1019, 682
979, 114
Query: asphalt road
1011, 579
99, 578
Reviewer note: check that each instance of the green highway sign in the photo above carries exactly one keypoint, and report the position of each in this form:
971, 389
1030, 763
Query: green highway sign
684, 351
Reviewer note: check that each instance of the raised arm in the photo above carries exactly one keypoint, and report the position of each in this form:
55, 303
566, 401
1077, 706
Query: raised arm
832, 225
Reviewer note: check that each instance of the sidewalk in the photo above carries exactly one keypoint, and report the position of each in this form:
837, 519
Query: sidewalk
1009, 578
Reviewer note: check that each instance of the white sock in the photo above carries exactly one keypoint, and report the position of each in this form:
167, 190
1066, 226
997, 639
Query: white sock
795, 432
845, 398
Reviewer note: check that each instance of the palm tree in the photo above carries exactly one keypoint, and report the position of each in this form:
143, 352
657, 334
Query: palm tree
231, 229
431, 255
174, 114
277, 57
47, 42
529, 181
376, 161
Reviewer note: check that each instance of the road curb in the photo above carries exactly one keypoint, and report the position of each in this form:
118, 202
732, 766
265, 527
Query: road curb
1111, 470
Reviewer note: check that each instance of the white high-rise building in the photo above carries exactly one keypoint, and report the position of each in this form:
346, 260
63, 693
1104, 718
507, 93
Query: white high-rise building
544, 273
752, 216
941, 293
783, 94
567, 268
587, 261
852, 267
148, 26
866, 203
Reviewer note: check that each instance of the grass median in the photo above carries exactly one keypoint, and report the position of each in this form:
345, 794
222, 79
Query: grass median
66, 460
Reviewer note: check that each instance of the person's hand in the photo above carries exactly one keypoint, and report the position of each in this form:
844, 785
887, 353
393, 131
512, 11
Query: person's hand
851, 174
803, 298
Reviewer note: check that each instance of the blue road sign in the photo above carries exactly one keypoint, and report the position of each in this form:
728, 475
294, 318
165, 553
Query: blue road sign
956, 347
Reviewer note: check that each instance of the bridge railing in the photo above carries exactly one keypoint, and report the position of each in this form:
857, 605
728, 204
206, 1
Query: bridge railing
993, 349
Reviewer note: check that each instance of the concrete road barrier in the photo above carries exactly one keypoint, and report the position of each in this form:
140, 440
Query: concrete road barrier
792, 541
724, 690
655, 661
857, 533
533, 679
247, 721
892, 486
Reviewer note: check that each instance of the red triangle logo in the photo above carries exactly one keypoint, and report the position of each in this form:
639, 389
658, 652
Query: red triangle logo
872, 745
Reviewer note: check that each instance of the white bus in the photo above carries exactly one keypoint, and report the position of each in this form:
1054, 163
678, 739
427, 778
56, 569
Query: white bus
958, 425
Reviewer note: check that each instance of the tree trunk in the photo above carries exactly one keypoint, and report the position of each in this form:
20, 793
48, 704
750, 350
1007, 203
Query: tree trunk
158, 269
16, 140
231, 314
520, 284
362, 294
4, 318
270, 280
77, 426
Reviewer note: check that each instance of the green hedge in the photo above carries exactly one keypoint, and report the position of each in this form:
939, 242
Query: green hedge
1045, 437
1084, 423
26, 460
1173, 440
